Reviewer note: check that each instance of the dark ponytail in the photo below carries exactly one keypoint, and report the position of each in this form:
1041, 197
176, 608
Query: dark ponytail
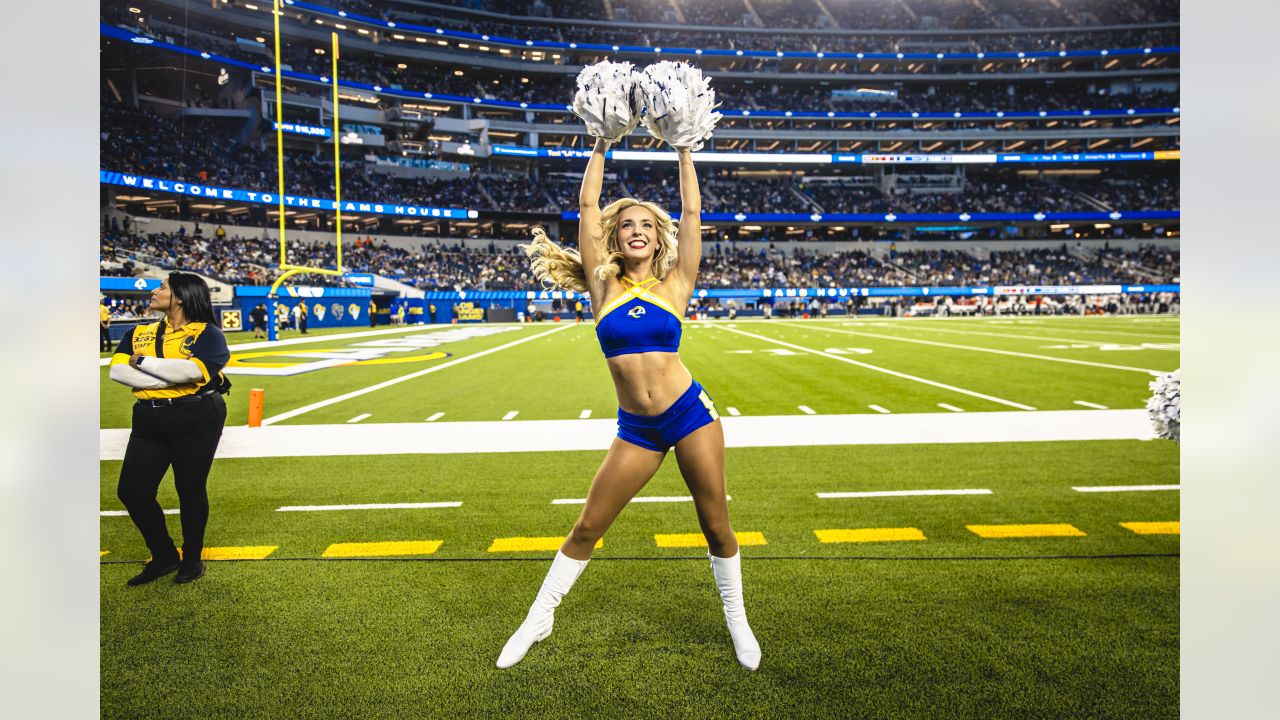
194, 294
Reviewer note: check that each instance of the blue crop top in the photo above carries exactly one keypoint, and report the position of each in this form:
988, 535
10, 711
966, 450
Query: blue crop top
638, 321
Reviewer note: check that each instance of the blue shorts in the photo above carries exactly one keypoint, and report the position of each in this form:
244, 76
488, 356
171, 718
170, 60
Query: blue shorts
660, 432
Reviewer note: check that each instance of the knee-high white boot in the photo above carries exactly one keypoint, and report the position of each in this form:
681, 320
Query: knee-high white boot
728, 575
537, 624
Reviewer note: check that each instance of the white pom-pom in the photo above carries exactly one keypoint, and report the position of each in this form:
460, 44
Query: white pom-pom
679, 104
607, 100
1165, 405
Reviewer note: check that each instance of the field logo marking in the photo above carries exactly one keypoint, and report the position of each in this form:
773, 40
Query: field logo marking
394, 381
886, 371
372, 352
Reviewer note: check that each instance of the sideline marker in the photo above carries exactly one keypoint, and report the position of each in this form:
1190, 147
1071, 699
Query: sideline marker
256, 397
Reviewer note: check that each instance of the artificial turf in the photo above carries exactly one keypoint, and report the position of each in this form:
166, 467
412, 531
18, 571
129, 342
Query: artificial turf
561, 374
952, 626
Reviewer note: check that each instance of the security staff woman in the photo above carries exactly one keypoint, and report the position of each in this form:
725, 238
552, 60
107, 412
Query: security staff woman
174, 367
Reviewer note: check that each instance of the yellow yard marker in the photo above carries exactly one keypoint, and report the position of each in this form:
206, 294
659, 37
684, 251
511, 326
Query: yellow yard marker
383, 549
1154, 528
103, 553
247, 552
697, 540
1025, 531
869, 535
531, 544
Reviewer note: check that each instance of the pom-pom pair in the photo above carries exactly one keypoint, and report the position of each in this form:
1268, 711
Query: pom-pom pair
673, 100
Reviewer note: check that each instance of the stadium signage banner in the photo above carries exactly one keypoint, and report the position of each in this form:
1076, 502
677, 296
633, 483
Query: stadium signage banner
127, 284
200, 190
838, 158
300, 129
800, 218
775, 293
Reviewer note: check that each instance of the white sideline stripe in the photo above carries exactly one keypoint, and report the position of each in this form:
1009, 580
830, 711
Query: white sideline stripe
435, 417
900, 493
646, 499
879, 409
125, 513
995, 351
952, 408
394, 381
584, 414
1085, 403
596, 435
733, 411
511, 415
887, 371
360, 417
1125, 488
368, 506
807, 410
237, 347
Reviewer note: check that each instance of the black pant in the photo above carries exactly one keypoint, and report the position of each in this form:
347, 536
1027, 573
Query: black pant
104, 337
184, 436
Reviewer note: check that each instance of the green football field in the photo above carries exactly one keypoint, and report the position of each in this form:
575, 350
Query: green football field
1022, 597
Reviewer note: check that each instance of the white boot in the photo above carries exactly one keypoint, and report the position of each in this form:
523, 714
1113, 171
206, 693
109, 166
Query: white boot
537, 624
728, 575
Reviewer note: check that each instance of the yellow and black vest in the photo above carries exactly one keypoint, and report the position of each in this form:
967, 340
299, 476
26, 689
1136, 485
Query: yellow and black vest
201, 343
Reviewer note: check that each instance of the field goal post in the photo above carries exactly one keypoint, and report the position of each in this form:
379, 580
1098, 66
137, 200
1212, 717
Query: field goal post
286, 269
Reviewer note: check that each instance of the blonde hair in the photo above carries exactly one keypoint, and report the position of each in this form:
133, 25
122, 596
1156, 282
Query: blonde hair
556, 266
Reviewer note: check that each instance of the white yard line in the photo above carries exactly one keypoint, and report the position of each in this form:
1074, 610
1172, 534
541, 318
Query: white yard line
733, 411
887, 371
511, 415
394, 381
645, 499
1011, 353
928, 328
1124, 488
435, 417
1085, 403
901, 493
125, 513
359, 417
369, 506
879, 409
1112, 332
952, 408
496, 436
584, 414
807, 410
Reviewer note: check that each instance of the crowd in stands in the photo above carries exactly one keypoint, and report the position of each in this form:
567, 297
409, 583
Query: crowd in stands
202, 151
436, 265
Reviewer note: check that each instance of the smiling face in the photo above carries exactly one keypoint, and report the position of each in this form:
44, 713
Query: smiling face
637, 233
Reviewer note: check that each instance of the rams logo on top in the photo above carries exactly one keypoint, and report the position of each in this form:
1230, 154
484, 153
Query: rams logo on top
636, 312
